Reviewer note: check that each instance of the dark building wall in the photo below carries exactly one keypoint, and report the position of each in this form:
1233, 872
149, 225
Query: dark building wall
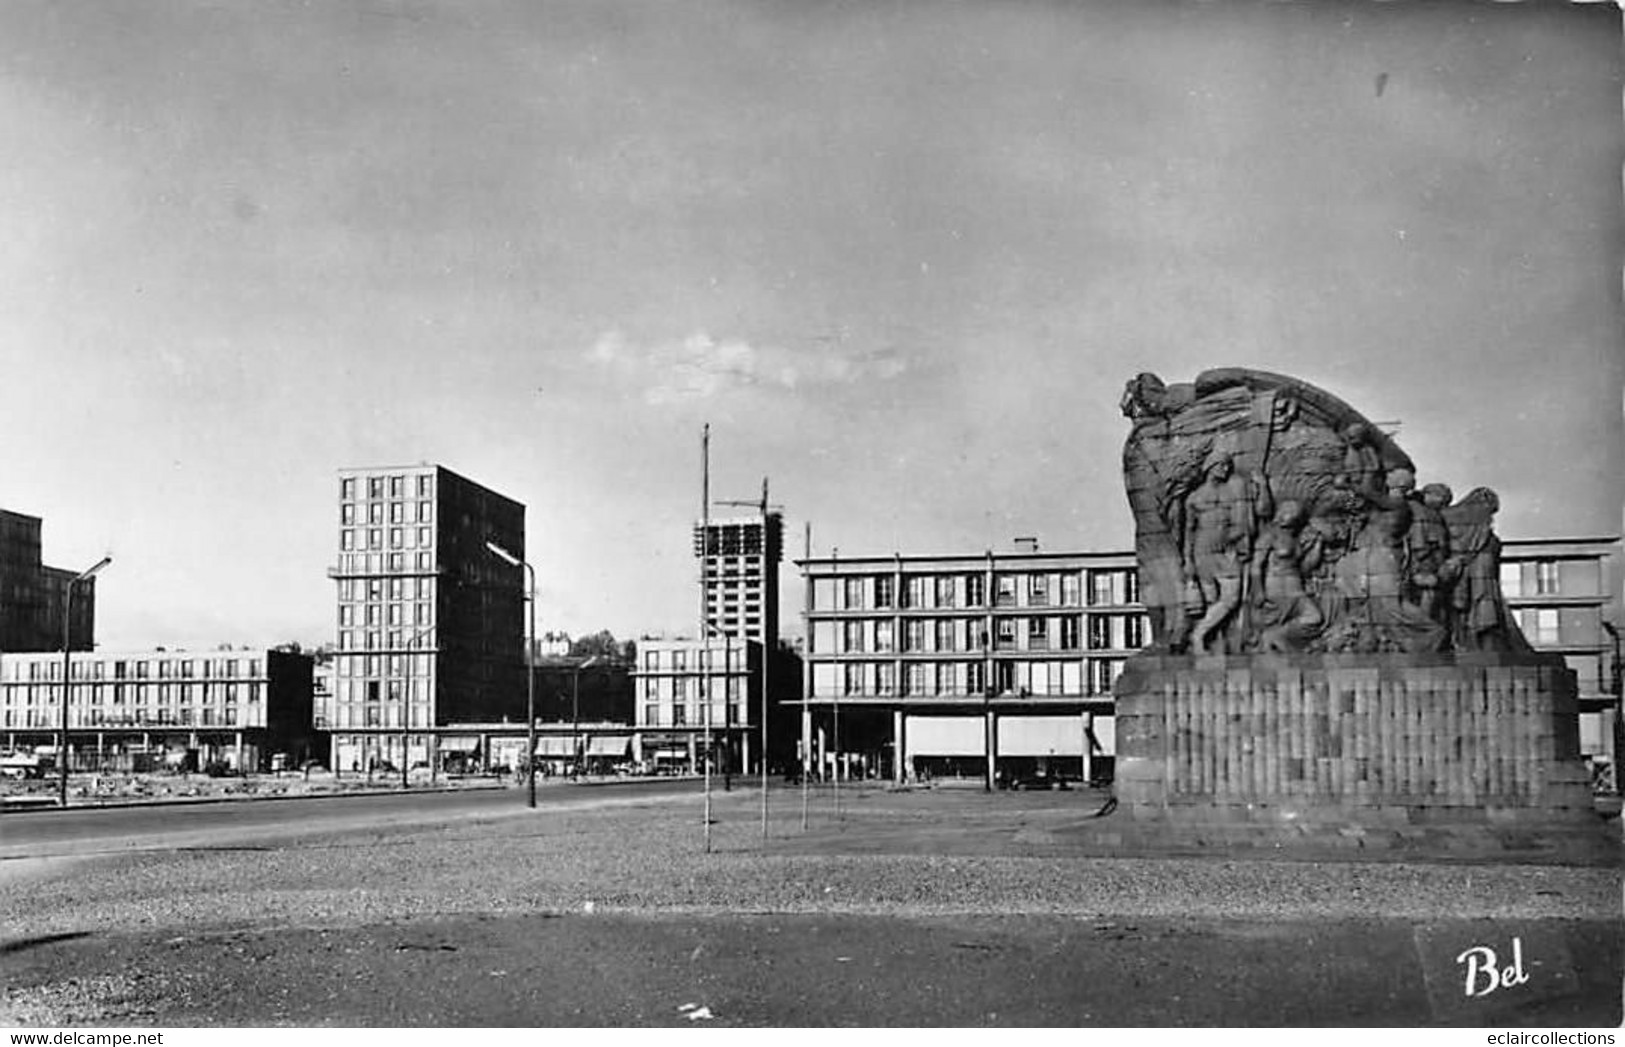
32, 595
480, 604
290, 702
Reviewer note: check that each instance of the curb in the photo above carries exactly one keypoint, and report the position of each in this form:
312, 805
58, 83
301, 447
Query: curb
191, 801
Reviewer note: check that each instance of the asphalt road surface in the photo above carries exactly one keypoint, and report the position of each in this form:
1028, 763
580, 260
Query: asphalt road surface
603, 908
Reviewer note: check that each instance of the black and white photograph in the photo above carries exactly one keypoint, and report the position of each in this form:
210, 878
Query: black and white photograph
800, 514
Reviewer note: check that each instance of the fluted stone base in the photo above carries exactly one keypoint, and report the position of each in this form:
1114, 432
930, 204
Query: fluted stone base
1350, 740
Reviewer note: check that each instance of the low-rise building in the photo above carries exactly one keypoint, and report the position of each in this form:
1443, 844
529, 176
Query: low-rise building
156, 709
693, 697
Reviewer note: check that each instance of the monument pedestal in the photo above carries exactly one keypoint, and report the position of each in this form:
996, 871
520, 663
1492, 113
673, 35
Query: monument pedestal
1348, 741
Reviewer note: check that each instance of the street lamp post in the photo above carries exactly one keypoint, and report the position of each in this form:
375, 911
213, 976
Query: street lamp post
530, 672
67, 621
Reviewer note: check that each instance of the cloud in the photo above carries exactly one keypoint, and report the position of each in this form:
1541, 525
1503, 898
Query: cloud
700, 366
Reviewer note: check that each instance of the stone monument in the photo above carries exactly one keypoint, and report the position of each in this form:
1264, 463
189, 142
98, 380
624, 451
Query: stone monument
1329, 642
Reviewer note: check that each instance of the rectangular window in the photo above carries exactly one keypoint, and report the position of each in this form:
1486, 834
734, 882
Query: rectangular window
651, 716
679, 716
347, 488
947, 678
346, 540
1037, 634
375, 487
975, 635
1071, 589
945, 591
945, 636
396, 512
1005, 590
914, 678
975, 678
1546, 578
1006, 633
679, 687
425, 486
1070, 630
1100, 632
885, 678
1038, 590
425, 512
914, 635
651, 661
975, 590
883, 590
914, 592
1134, 632
852, 635
679, 660
883, 636
1100, 588
854, 678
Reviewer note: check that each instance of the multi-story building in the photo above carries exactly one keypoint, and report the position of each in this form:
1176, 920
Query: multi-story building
430, 622
32, 596
741, 574
966, 666
1565, 592
962, 665
150, 710
687, 692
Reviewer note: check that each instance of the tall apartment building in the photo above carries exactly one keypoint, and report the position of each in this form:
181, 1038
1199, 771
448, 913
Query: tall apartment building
952, 665
966, 665
157, 709
741, 575
32, 595
1565, 593
430, 623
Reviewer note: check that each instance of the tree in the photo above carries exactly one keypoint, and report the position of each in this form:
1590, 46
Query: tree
601, 644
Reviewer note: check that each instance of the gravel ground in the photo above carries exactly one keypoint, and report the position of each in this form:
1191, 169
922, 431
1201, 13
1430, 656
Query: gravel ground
636, 856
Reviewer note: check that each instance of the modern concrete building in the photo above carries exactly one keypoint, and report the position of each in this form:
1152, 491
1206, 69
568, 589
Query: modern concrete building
32, 595
158, 709
741, 574
1565, 593
430, 623
966, 666
688, 692
970, 666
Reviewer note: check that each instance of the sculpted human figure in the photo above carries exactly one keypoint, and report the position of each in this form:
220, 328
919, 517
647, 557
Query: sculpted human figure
1218, 530
1480, 620
1278, 564
1427, 551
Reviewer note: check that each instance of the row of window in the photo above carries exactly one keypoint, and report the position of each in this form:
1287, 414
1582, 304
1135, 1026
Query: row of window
725, 658
351, 539
137, 669
381, 716
1103, 632
376, 563
132, 693
420, 690
1092, 677
1102, 587
421, 613
378, 640
679, 715
680, 687
1551, 578
146, 718
375, 589
418, 665
387, 486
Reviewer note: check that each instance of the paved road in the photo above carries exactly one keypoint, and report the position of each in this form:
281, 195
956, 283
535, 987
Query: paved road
87, 830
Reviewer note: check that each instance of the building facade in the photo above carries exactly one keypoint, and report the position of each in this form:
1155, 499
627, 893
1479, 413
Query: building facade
156, 710
740, 575
430, 623
977, 666
1565, 594
34, 596
966, 666
693, 698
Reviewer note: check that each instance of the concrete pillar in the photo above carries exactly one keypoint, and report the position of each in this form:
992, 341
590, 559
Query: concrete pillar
823, 752
992, 748
693, 757
238, 739
806, 741
744, 752
1088, 750
899, 748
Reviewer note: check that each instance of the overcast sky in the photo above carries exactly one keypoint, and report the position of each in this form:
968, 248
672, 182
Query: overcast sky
901, 256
